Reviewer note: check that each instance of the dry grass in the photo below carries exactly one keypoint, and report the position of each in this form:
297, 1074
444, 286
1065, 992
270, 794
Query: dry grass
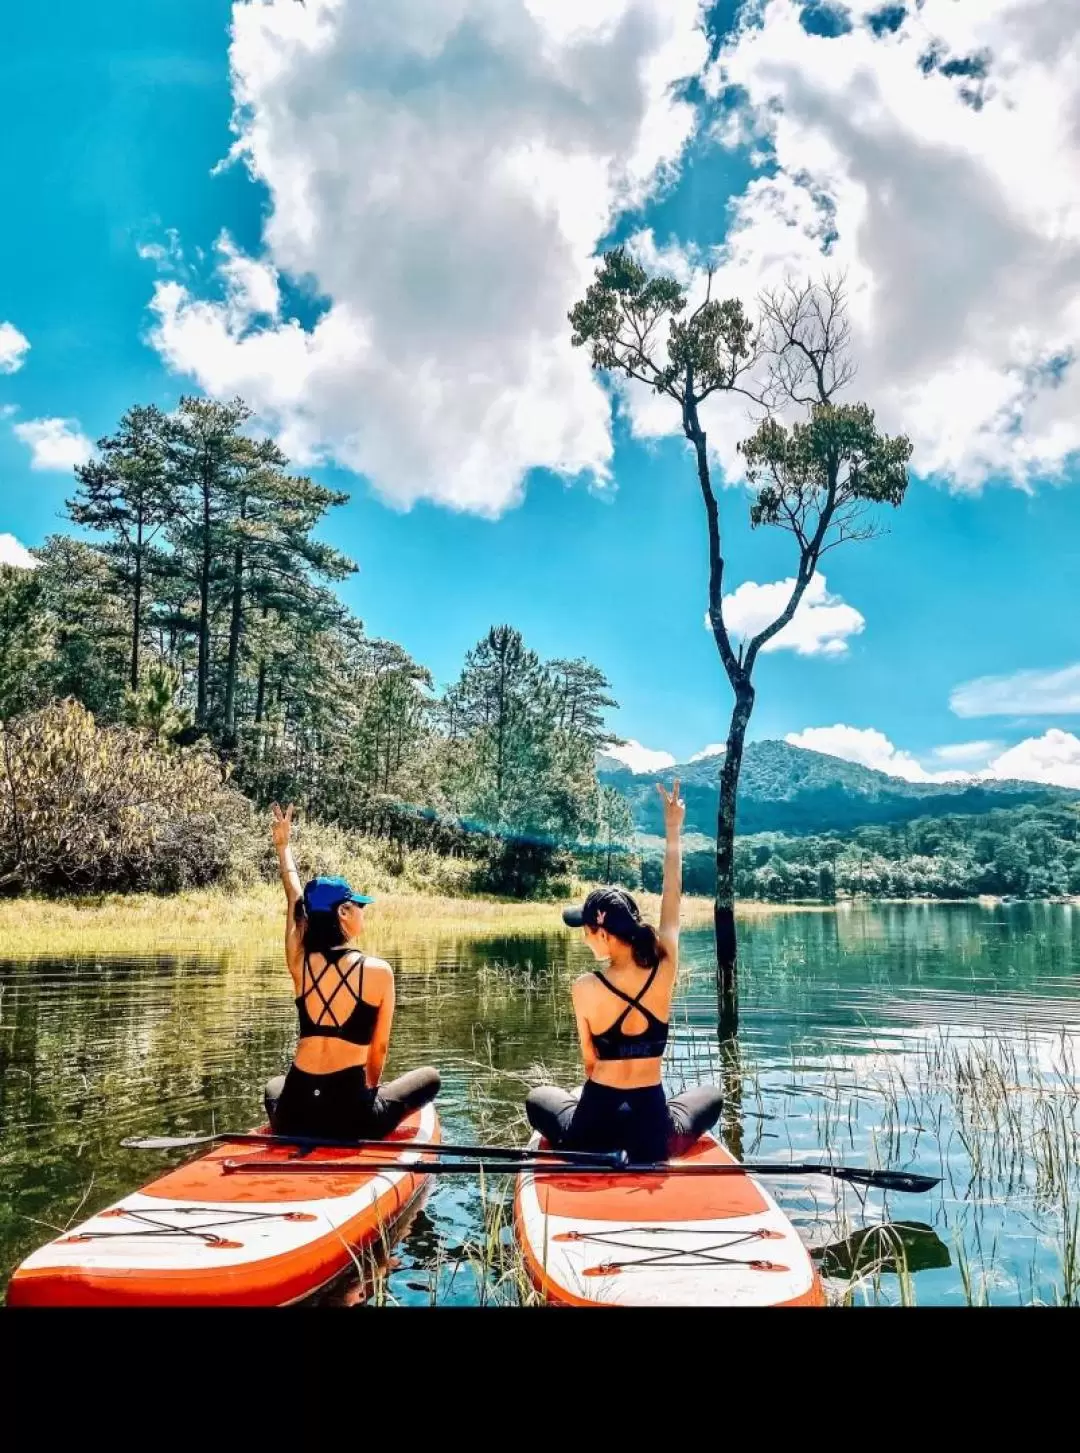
217, 918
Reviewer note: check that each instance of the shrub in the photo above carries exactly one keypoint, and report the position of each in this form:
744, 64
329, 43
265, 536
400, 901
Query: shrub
90, 808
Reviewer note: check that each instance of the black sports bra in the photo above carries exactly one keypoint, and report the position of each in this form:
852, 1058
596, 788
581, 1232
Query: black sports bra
614, 1044
359, 1027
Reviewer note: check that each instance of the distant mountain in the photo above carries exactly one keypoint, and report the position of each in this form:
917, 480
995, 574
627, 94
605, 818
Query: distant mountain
792, 790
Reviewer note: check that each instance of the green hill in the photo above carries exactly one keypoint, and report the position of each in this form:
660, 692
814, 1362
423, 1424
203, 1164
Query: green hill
790, 790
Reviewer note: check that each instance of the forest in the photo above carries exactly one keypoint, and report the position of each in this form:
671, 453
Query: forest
1030, 851
185, 659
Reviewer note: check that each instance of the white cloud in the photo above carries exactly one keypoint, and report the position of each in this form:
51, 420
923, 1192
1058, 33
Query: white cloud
1054, 757
55, 444
1024, 693
251, 288
869, 747
970, 752
820, 626
13, 348
440, 174
168, 255
714, 749
640, 759
966, 325
14, 553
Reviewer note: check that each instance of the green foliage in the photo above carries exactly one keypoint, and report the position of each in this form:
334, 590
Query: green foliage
88, 808
240, 529
203, 616
838, 450
123, 495
611, 854
82, 626
23, 649
632, 324
1023, 852
521, 740
153, 707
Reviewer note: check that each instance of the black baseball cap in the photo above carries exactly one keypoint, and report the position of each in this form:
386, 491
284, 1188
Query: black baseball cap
609, 908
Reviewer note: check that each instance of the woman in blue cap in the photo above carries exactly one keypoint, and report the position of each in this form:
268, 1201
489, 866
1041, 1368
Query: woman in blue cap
622, 1022
345, 1002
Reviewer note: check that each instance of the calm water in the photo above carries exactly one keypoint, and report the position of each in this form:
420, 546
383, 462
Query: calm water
938, 1038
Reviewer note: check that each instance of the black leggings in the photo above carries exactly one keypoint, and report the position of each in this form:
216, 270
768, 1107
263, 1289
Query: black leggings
643, 1122
342, 1106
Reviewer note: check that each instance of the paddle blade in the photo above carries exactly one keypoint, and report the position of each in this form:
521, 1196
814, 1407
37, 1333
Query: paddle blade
164, 1142
909, 1182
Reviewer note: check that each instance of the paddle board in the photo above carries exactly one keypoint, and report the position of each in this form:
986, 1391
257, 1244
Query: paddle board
200, 1236
661, 1240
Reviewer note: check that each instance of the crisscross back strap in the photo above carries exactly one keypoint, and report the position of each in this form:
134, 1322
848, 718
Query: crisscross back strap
326, 1016
631, 1001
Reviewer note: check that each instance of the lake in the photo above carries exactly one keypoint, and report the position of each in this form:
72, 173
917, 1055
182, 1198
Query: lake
931, 1037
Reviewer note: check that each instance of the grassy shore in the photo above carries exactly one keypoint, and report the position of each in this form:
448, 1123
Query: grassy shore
217, 919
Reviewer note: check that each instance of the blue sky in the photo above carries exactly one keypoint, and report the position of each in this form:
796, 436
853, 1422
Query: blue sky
373, 208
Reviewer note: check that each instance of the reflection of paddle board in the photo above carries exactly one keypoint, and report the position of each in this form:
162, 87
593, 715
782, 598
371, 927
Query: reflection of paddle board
656, 1240
198, 1236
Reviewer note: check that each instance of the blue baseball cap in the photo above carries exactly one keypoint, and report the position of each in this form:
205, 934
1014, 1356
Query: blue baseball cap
323, 895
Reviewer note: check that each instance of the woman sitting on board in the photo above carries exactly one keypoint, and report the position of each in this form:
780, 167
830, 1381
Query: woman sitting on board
622, 1022
345, 1002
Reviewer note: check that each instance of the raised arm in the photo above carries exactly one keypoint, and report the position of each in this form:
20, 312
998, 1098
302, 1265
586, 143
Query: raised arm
281, 830
674, 812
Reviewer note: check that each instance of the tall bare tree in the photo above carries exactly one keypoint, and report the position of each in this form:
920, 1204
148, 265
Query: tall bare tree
818, 478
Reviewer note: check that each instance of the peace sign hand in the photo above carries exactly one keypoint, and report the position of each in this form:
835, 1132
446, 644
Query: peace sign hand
674, 808
281, 825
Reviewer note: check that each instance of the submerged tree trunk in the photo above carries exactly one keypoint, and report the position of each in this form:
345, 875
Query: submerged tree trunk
724, 903
727, 950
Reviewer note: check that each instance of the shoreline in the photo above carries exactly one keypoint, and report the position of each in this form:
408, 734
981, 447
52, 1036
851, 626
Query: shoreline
224, 919
219, 918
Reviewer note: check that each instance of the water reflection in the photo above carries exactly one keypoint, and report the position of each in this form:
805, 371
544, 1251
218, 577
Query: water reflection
932, 1037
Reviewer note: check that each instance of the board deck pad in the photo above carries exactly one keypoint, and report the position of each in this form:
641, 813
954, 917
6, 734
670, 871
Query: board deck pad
199, 1235
662, 1240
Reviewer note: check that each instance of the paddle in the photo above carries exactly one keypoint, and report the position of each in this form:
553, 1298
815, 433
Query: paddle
607, 1158
884, 1180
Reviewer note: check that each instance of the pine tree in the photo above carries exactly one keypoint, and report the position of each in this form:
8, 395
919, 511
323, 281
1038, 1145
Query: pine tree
122, 494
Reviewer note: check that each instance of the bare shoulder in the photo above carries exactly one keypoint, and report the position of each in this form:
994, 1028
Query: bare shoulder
582, 987
378, 967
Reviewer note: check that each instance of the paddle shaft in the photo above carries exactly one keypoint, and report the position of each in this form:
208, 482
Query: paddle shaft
891, 1180
308, 1142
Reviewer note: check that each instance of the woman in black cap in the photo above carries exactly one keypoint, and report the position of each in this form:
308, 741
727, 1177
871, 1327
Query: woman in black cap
622, 1021
345, 1004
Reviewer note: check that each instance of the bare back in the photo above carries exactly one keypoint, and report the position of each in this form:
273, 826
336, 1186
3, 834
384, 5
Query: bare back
599, 1010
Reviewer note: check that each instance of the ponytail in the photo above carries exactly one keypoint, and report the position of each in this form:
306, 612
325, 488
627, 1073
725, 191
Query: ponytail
646, 947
